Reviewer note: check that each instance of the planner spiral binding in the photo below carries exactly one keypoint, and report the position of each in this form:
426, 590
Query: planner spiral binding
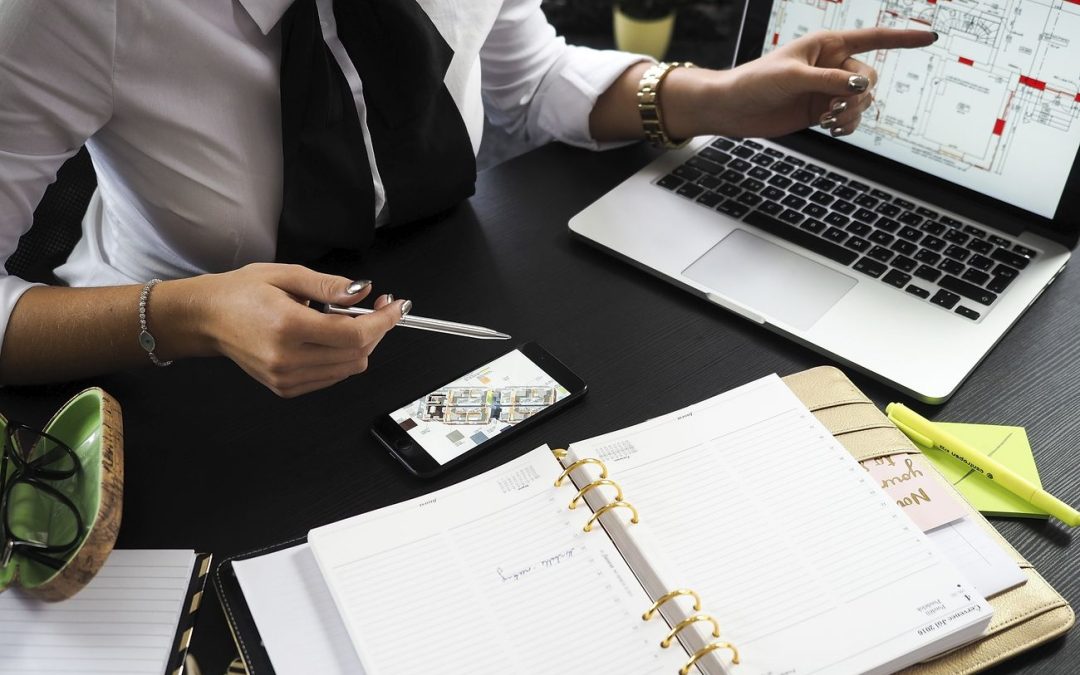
620, 502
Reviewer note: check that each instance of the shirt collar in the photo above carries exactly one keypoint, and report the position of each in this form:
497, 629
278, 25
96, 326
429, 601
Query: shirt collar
266, 13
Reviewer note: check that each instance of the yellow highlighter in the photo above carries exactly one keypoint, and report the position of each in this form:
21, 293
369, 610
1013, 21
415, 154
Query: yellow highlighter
925, 432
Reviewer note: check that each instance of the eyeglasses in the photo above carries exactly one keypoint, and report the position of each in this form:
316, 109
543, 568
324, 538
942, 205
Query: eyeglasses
32, 458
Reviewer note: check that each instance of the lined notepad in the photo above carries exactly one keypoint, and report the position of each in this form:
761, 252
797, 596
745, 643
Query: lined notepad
123, 621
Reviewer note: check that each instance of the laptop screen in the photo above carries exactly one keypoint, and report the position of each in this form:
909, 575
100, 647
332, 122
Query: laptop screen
993, 106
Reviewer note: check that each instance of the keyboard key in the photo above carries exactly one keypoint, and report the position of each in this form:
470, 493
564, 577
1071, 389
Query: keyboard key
714, 155
835, 234
926, 213
802, 238
975, 276
815, 226
803, 176
974, 231
957, 253
927, 256
999, 283
781, 181
845, 192
795, 161
887, 209
793, 201
950, 266
773, 152
792, 217
837, 219
911, 234
888, 224
732, 176
822, 198
969, 291
881, 194
904, 204
919, 292
865, 215
933, 243
783, 168
836, 177
903, 246
967, 313
866, 201
743, 152
670, 182
857, 244
1024, 251
823, 184
729, 190
775, 194
690, 190
909, 218
896, 278
710, 182
763, 160
705, 165
1010, 258
740, 165
999, 241
771, 208
883, 238
733, 208
931, 227
753, 144
843, 207
815, 211
856, 185
750, 199
881, 253
928, 273
870, 267
956, 237
951, 222
981, 262
814, 168
945, 299
1004, 270
861, 229
759, 173
687, 173
904, 263
752, 184
980, 246
723, 144
801, 189
710, 199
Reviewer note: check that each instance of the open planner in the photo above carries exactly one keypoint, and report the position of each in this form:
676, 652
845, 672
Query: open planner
735, 536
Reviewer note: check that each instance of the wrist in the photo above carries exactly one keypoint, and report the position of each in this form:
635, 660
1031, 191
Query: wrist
179, 319
692, 101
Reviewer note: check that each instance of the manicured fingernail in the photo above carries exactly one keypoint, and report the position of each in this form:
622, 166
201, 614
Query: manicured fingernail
838, 107
406, 307
936, 36
389, 297
858, 83
357, 286
827, 121
837, 131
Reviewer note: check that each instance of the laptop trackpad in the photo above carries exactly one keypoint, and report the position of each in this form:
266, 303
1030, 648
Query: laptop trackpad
770, 280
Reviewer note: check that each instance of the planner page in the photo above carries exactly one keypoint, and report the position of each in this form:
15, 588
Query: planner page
493, 575
797, 552
123, 621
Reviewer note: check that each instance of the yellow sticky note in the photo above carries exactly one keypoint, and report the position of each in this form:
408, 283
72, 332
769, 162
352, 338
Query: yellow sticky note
1008, 445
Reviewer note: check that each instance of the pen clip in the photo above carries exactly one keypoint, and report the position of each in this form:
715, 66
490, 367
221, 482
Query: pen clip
915, 436
318, 306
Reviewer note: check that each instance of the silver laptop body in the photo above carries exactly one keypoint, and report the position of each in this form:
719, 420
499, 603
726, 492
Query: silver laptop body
923, 341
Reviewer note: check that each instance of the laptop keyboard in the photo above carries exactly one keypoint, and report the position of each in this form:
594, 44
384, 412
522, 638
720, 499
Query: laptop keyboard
954, 265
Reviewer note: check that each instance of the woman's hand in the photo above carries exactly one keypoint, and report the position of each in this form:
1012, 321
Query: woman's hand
256, 317
810, 81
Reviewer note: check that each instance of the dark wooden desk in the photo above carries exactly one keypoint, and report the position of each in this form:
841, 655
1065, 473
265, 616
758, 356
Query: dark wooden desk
217, 463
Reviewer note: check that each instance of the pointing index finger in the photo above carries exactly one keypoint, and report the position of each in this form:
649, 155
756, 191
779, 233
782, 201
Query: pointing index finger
869, 39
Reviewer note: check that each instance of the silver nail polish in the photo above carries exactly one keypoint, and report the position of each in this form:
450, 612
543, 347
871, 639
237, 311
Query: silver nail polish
839, 107
357, 286
836, 131
389, 298
858, 83
827, 121
406, 307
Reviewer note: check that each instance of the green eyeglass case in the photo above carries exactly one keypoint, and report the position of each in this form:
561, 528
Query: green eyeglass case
91, 424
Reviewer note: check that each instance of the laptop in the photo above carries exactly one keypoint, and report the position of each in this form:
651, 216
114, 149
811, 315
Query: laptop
907, 249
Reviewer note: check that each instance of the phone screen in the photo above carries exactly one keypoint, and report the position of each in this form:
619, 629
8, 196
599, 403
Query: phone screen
480, 405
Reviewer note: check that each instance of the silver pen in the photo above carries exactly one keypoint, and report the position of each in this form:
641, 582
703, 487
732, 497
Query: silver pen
423, 323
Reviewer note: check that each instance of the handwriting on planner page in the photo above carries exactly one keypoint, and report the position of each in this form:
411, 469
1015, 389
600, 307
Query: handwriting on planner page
774, 523
492, 577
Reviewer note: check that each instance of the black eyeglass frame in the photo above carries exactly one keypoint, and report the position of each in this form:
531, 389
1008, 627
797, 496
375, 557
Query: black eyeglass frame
33, 472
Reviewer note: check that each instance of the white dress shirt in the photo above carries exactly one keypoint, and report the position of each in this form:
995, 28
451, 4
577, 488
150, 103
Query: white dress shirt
178, 104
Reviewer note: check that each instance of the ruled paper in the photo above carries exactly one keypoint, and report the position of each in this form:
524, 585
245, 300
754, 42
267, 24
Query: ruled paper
494, 575
807, 564
123, 621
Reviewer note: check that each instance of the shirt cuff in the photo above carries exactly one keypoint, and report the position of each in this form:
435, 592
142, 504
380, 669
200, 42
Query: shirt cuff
567, 95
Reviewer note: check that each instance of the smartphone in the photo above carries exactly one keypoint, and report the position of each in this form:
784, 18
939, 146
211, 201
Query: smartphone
484, 406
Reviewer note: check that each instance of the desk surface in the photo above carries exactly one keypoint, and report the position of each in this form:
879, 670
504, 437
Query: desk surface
217, 463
